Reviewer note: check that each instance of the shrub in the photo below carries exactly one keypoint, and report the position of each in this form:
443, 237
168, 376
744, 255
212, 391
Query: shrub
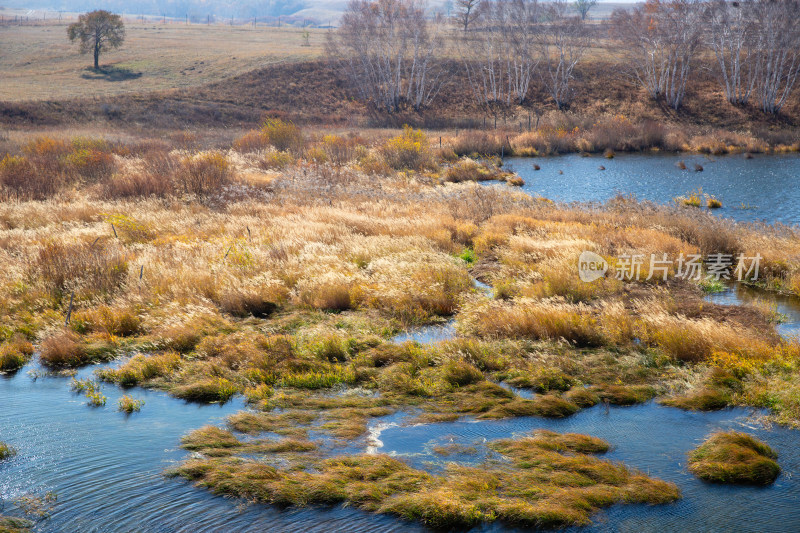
252, 141
341, 150
22, 180
276, 161
283, 135
467, 170
91, 164
15, 353
408, 151
474, 143
204, 174
96, 399
63, 349
47, 147
734, 457
138, 185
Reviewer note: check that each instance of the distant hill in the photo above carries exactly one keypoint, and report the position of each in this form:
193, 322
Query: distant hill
319, 12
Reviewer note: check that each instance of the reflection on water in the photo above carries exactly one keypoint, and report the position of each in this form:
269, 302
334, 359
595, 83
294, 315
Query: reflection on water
428, 334
787, 307
766, 185
649, 437
107, 468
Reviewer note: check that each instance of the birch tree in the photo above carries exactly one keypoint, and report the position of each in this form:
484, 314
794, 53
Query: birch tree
778, 51
387, 49
734, 40
757, 47
565, 40
501, 54
660, 41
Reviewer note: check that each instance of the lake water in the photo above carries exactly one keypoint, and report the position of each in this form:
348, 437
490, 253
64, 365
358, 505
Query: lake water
652, 438
107, 468
765, 188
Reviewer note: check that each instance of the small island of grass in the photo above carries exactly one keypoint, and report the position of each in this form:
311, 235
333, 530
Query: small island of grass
734, 457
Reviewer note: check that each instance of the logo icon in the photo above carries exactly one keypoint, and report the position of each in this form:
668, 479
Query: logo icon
591, 266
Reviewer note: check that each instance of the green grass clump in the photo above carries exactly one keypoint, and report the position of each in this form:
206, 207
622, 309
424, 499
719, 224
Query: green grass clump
546, 480
130, 405
6, 451
90, 389
573, 442
14, 525
703, 399
625, 394
14, 354
712, 286
141, 369
542, 379
582, 397
468, 256
323, 379
211, 441
96, 399
734, 457
545, 405
207, 391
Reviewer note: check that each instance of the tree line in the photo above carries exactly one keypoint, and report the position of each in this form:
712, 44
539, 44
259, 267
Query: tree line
396, 55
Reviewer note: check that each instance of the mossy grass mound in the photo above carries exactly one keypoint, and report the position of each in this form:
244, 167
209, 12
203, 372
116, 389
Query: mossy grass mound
703, 399
734, 457
6, 451
543, 480
14, 525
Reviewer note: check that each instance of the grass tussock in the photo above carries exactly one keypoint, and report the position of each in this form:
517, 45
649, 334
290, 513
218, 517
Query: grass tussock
6, 451
130, 405
702, 399
734, 457
548, 480
64, 349
15, 353
15, 525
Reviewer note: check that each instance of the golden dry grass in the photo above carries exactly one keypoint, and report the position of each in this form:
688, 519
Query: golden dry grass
39, 62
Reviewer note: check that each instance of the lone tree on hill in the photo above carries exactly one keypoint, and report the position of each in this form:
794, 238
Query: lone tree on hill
97, 32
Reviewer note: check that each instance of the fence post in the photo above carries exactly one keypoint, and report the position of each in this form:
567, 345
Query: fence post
69, 309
